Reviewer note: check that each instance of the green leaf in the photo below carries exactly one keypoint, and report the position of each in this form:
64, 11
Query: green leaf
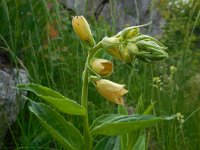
60, 102
123, 138
149, 109
140, 144
116, 124
122, 110
108, 143
63, 131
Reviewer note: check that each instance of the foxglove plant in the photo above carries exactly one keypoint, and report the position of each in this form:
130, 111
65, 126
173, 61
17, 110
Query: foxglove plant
126, 46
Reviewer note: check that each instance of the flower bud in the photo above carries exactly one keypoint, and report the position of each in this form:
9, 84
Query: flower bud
115, 52
123, 52
150, 50
130, 32
128, 57
110, 90
102, 67
82, 30
110, 42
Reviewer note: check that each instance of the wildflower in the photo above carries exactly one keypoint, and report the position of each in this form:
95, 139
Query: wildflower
82, 30
102, 67
110, 90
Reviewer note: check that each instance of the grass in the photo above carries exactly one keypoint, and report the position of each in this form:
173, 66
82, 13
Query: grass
55, 59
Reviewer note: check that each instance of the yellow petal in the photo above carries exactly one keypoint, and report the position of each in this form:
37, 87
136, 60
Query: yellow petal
111, 91
102, 66
82, 29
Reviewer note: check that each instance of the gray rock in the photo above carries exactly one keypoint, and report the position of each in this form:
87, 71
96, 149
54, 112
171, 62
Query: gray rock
122, 12
9, 103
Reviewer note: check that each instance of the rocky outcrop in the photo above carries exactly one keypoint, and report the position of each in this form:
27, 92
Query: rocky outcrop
10, 103
120, 12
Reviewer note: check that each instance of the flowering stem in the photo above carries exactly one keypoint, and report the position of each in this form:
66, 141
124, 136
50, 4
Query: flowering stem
84, 97
93, 51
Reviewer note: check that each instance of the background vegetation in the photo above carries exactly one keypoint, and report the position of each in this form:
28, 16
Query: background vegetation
38, 37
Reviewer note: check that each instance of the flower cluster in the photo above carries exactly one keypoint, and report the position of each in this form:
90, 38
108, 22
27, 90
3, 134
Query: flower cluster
126, 46
129, 44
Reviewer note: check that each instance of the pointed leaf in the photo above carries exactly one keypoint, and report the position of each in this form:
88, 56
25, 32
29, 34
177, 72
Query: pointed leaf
116, 124
60, 102
149, 109
63, 131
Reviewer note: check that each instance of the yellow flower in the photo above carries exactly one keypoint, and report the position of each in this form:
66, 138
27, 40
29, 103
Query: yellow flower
82, 30
111, 91
102, 67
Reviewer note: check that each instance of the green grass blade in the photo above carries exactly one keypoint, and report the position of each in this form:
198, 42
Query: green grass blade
140, 144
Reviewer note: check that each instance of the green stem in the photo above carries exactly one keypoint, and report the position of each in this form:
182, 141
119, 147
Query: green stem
84, 100
84, 97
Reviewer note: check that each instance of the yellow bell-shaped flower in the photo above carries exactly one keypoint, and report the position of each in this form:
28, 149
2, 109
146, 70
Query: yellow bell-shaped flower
102, 67
110, 90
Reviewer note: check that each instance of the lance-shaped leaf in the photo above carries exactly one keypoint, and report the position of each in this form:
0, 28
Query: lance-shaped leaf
60, 102
116, 124
63, 131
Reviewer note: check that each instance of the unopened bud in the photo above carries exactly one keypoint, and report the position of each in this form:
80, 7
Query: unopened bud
110, 42
130, 32
128, 57
82, 30
150, 50
124, 52
102, 67
115, 52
